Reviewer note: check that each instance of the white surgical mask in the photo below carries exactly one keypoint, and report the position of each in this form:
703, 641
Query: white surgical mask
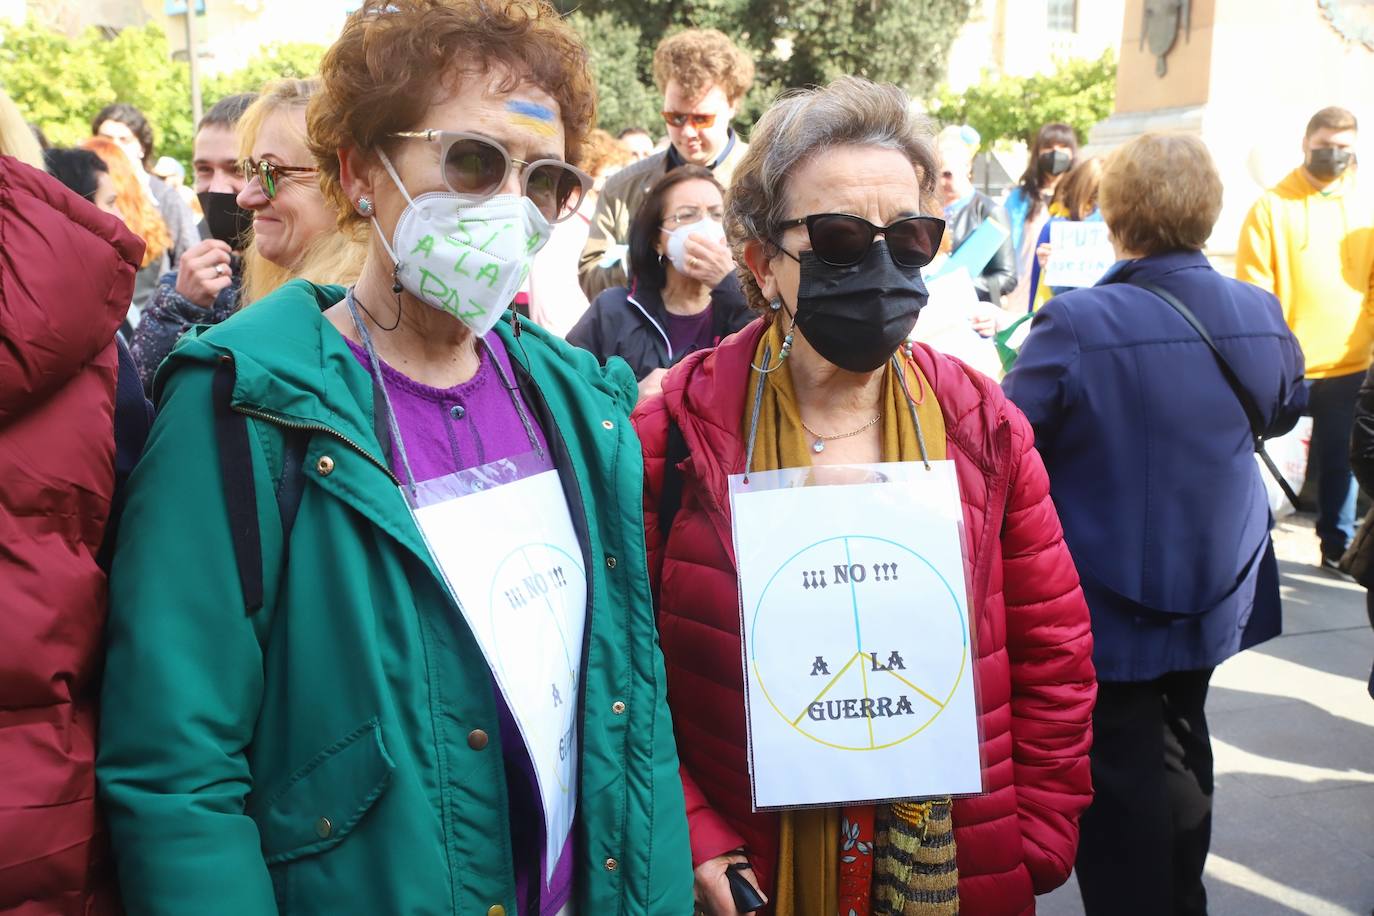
462, 256
708, 229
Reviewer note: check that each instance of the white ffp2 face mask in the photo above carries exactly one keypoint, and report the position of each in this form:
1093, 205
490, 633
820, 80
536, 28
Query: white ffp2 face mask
464, 257
707, 229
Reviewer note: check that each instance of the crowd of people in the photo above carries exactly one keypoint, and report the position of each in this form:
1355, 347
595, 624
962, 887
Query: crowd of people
244, 433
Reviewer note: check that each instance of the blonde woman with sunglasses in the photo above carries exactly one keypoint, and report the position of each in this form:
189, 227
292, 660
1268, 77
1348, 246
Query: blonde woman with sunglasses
267, 219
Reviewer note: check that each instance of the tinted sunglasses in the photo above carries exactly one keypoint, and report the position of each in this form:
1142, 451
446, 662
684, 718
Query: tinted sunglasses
682, 119
269, 173
478, 167
841, 240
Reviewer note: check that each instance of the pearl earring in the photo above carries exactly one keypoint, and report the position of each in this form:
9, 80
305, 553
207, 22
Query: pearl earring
365, 206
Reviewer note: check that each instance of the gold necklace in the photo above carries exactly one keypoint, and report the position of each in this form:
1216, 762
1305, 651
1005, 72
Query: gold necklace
819, 445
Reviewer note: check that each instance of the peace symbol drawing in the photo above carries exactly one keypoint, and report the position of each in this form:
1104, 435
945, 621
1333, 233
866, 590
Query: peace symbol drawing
858, 643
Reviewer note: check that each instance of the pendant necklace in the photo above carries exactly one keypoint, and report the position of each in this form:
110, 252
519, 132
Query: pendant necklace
819, 445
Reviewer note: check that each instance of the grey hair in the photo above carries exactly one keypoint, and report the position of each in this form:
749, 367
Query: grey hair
801, 124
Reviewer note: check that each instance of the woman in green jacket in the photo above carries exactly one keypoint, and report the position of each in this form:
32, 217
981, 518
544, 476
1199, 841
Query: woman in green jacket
381, 637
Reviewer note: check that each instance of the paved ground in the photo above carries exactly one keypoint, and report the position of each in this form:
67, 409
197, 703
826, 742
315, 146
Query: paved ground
1293, 729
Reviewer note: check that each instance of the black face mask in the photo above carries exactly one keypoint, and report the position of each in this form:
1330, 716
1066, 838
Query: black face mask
228, 221
1328, 164
856, 317
1055, 162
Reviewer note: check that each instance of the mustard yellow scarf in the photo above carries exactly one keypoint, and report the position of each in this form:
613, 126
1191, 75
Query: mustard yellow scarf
810, 880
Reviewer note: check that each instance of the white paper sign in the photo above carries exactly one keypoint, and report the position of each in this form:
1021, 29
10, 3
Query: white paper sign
1080, 253
946, 322
514, 564
857, 656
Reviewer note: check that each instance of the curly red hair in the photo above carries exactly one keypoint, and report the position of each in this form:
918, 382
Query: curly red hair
395, 56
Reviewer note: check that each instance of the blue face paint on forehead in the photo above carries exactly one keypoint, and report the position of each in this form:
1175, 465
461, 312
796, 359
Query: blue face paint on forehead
530, 110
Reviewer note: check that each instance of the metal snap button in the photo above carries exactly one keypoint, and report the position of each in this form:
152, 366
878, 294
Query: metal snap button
610, 562
325, 465
612, 865
323, 828
607, 424
618, 707
477, 739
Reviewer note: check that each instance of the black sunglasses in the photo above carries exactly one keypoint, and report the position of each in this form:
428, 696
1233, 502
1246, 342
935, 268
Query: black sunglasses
842, 240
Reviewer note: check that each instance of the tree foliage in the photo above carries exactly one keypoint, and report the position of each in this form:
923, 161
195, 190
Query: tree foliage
892, 41
794, 42
278, 60
60, 82
615, 49
1079, 93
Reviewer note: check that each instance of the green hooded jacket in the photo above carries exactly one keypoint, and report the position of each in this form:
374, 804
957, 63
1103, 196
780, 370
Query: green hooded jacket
325, 754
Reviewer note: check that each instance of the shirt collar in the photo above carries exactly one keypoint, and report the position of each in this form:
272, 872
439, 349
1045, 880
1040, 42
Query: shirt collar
1153, 266
675, 158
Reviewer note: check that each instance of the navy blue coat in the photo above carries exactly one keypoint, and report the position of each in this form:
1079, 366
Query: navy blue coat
1151, 460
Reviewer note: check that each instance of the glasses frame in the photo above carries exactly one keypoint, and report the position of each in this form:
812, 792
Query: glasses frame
266, 172
705, 214
447, 138
698, 120
937, 224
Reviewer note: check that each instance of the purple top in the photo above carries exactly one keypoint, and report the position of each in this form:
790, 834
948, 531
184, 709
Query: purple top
447, 430
690, 332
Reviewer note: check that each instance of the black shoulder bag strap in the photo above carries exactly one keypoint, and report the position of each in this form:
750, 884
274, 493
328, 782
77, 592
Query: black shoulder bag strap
240, 491
670, 496
1247, 402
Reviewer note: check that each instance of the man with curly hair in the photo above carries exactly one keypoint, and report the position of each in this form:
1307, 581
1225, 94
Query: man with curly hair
703, 76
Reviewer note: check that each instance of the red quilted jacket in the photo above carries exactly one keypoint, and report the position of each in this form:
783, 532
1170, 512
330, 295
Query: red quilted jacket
1034, 648
66, 278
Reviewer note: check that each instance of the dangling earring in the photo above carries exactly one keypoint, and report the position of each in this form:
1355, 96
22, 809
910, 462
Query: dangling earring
776, 306
365, 207
770, 366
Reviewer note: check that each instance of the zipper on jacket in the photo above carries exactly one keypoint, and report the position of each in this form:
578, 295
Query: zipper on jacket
657, 327
321, 428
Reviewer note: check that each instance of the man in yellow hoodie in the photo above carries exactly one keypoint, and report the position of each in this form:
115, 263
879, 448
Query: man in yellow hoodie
1310, 241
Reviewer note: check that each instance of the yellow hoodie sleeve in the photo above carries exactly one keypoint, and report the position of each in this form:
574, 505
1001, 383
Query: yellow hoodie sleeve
1255, 249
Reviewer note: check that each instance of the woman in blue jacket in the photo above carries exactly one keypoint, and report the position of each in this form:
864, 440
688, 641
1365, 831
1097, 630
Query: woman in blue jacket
1151, 464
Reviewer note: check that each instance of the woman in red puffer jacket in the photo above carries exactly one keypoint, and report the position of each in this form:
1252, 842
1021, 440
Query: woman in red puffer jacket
852, 149
66, 279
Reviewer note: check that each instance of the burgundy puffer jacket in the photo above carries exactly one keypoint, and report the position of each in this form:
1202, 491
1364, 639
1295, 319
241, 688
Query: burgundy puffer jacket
1034, 649
66, 278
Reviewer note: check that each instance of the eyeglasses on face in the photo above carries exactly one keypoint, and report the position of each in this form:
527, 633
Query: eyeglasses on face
843, 240
684, 216
270, 174
477, 167
682, 119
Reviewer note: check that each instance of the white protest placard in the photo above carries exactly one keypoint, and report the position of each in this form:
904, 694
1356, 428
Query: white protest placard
1080, 253
514, 563
857, 652
946, 322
